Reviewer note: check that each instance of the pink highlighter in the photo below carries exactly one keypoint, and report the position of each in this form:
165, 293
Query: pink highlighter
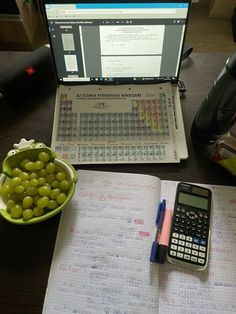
164, 236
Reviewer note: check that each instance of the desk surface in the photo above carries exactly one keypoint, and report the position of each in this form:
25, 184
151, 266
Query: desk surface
26, 252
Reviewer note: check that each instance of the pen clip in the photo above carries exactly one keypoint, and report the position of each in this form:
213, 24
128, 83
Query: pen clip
161, 214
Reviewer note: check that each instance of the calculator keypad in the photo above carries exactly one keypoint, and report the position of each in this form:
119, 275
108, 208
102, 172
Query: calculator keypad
189, 238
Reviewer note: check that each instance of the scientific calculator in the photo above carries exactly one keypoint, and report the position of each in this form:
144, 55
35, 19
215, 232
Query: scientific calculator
190, 230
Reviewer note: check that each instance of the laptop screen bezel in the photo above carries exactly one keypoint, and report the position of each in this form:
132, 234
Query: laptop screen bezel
43, 4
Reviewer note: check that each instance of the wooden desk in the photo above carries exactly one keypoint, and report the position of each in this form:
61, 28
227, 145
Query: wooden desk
26, 252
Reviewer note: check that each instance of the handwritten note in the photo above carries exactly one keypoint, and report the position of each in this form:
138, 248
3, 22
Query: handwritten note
213, 291
101, 258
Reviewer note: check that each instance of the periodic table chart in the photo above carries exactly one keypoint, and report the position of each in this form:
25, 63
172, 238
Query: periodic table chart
115, 124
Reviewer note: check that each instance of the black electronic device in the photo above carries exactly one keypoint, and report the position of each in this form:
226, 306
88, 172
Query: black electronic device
190, 230
31, 72
217, 113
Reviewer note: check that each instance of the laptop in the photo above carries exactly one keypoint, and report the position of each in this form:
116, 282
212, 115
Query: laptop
117, 64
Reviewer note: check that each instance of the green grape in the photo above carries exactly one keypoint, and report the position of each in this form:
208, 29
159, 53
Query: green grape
61, 175
61, 198
43, 156
51, 167
55, 193
33, 182
16, 172
25, 183
10, 204
16, 211
64, 185
33, 175
27, 214
44, 190
15, 181
24, 161
43, 173
36, 198
52, 204
50, 178
24, 175
29, 165
39, 184
42, 202
19, 189
32, 190
38, 211
55, 184
27, 202
41, 181
6, 189
39, 165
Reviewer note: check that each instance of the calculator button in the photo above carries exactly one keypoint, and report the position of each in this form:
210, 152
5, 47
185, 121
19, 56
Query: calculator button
196, 240
181, 243
202, 248
182, 237
186, 250
173, 253
173, 247
195, 252
201, 254
187, 257
193, 259
180, 255
201, 261
188, 244
203, 242
174, 241
195, 246
175, 235
180, 249
190, 239
191, 215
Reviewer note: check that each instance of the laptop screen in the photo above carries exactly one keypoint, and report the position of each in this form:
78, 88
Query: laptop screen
116, 42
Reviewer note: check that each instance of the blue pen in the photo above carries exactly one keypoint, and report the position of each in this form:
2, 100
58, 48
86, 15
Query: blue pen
159, 222
162, 214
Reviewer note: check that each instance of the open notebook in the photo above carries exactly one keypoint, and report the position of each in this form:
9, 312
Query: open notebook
117, 65
101, 258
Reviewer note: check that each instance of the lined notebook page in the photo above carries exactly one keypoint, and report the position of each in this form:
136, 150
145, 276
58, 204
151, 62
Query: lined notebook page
101, 257
213, 291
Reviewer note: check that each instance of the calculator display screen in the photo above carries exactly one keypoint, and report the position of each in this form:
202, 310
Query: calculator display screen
193, 200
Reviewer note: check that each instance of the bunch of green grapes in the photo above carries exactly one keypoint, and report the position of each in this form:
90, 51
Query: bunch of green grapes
35, 188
